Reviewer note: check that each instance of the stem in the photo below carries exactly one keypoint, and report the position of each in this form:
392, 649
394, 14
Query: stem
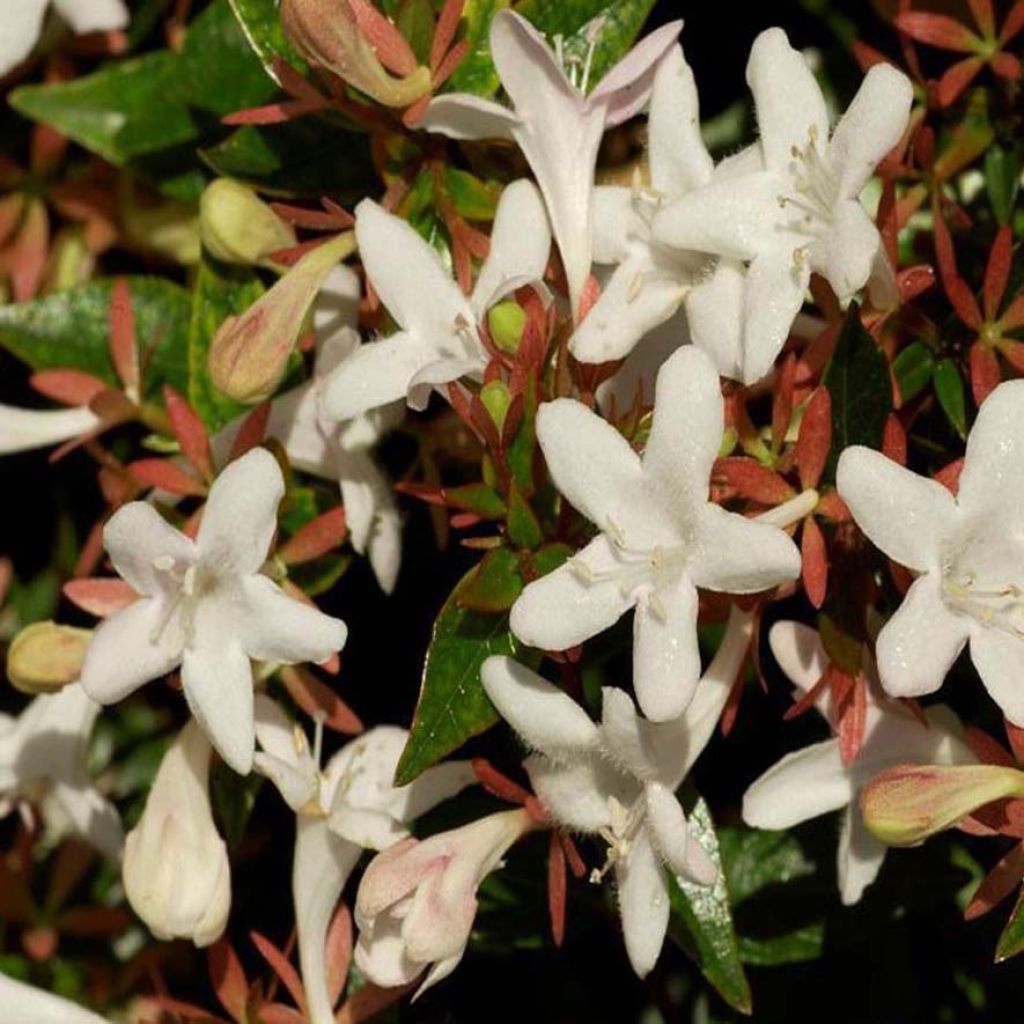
792, 511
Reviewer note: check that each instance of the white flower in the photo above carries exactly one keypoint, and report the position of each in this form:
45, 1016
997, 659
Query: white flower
800, 212
176, 871
437, 340
340, 451
660, 538
21, 430
349, 806
618, 779
417, 900
555, 123
23, 21
206, 607
21, 1002
815, 780
968, 553
43, 757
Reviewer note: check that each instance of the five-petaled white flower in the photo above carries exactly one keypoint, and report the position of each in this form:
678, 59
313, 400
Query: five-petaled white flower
801, 211
23, 22
205, 606
815, 780
618, 779
556, 124
968, 553
43, 757
660, 538
346, 807
438, 340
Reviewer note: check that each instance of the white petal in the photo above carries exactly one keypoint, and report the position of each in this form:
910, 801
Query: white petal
616, 223
366, 829
636, 379
678, 159
918, 645
364, 490
850, 250
993, 473
799, 651
546, 717
298, 788
336, 310
528, 69
739, 555
788, 101
577, 795
129, 649
93, 817
136, 536
24, 429
801, 786
560, 610
432, 787
859, 858
666, 658
275, 627
774, 292
240, 515
19, 1001
520, 243
380, 953
670, 835
384, 549
295, 421
93, 15
715, 310
999, 657
643, 904
873, 123
904, 514
439, 372
23, 20
464, 116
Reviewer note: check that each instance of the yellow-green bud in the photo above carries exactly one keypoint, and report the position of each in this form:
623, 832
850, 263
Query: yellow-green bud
496, 400
506, 322
45, 656
236, 226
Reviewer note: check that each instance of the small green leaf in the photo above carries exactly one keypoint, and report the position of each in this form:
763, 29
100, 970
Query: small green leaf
481, 500
72, 329
949, 389
1002, 180
476, 73
913, 369
1011, 941
857, 378
453, 706
701, 921
523, 529
473, 199
261, 24
495, 583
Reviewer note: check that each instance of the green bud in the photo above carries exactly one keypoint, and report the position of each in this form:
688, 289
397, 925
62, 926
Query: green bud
496, 401
506, 322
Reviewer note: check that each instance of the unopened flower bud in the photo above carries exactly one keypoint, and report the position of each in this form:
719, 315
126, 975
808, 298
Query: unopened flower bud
496, 398
45, 656
327, 34
249, 353
506, 322
236, 226
159, 225
907, 804
176, 871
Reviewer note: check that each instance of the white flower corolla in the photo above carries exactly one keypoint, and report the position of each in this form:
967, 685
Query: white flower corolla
967, 552
800, 211
206, 607
339, 451
23, 21
815, 780
21, 430
417, 900
438, 340
176, 871
618, 779
43, 758
660, 538
342, 809
556, 123
21, 1002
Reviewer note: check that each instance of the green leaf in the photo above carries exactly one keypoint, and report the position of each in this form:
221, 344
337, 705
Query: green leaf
949, 389
476, 73
261, 25
913, 369
621, 22
453, 706
473, 199
1011, 941
857, 378
523, 529
71, 329
495, 583
1002, 180
701, 921
220, 291
233, 797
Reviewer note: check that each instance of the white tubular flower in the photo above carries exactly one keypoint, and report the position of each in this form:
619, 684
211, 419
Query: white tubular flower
660, 538
417, 900
968, 553
43, 757
23, 21
349, 806
801, 211
618, 779
556, 124
21, 1002
438, 338
815, 780
205, 606
176, 871
340, 451
22, 430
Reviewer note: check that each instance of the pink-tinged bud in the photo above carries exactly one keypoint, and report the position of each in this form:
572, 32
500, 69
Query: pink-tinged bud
249, 353
45, 656
417, 900
327, 33
176, 871
906, 804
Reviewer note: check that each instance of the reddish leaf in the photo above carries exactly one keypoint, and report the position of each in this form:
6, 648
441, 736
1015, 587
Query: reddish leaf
1006, 65
497, 784
167, 476
814, 562
228, 979
444, 31
814, 439
949, 476
124, 352
984, 17
782, 402
317, 698
28, 253
894, 440
852, 720
319, 536
984, 371
388, 43
987, 749
189, 431
278, 1013
282, 968
959, 294
69, 387
557, 888
997, 884
99, 596
185, 1011
1013, 24
339, 952
997, 271
274, 113
937, 30
1015, 734
368, 1002
956, 78
251, 433
750, 480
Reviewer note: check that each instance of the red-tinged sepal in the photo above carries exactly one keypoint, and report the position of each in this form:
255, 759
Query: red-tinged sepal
99, 595
167, 476
316, 698
814, 562
316, 538
190, 432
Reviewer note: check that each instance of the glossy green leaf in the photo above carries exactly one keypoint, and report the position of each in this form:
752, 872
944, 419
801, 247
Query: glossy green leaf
913, 368
857, 378
453, 706
1011, 941
1002, 180
523, 529
610, 37
701, 921
233, 797
495, 583
476, 73
473, 199
949, 390
71, 329
261, 25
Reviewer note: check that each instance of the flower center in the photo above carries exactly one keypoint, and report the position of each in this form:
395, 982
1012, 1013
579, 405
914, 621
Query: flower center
576, 67
190, 584
814, 194
998, 607
625, 822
